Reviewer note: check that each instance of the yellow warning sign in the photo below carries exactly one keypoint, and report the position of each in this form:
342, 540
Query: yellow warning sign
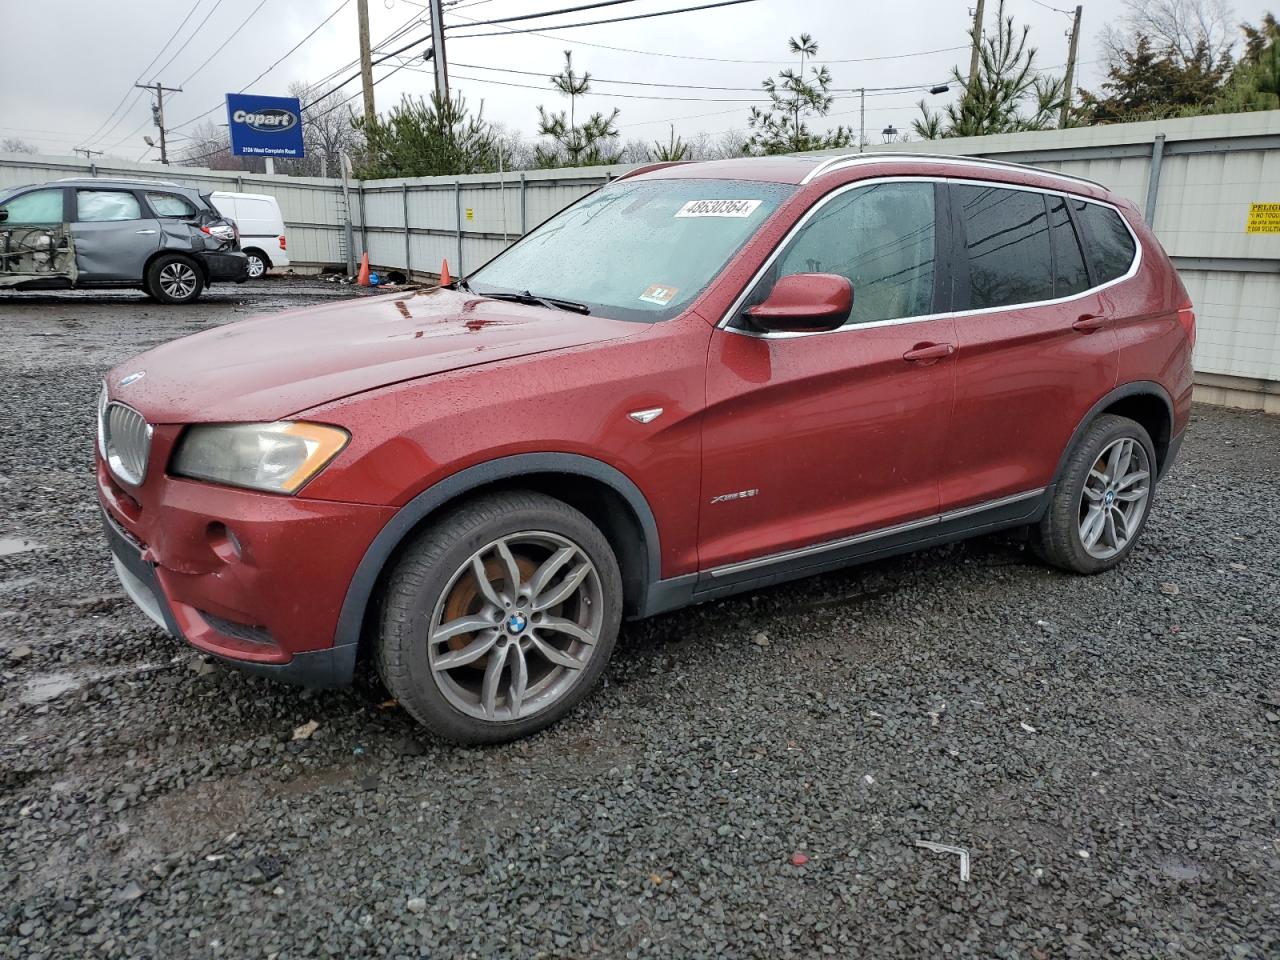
1263, 218
471, 214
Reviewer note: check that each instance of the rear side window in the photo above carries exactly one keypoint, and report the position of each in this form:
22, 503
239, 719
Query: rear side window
882, 238
1111, 246
38, 206
171, 205
96, 206
1007, 241
1069, 274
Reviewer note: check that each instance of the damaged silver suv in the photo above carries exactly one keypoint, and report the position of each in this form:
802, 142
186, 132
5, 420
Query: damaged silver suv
165, 238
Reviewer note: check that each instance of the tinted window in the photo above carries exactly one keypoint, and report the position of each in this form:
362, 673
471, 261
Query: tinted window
1069, 273
1110, 244
38, 206
94, 206
882, 238
1007, 239
171, 205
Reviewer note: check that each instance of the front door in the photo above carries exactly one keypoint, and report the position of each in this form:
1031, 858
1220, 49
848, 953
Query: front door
811, 438
113, 234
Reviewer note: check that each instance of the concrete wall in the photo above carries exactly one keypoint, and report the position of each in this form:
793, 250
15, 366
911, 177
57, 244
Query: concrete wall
1195, 176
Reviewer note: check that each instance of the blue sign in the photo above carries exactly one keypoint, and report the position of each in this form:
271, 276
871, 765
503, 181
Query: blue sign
264, 126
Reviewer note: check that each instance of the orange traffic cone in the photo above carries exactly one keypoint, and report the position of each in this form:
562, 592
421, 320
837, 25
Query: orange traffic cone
362, 278
445, 279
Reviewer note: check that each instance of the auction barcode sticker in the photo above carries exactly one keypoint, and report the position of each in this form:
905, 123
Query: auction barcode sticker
718, 208
1263, 218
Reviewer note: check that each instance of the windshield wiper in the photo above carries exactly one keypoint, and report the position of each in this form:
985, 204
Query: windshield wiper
526, 297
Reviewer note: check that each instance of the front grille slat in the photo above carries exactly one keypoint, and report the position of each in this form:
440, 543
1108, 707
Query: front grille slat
127, 437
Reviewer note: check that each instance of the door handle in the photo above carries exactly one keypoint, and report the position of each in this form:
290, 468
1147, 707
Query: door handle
144, 232
929, 352
1090, 322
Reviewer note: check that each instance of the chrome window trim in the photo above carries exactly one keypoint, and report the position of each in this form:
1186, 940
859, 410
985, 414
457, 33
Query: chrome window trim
816, 548
846, 160
736, 308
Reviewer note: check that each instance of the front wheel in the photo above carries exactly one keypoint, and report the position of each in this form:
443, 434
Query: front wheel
1102, 499
500, 618
174, 279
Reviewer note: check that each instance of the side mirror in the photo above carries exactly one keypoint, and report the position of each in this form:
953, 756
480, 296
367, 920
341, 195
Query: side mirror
4, 214
805, 302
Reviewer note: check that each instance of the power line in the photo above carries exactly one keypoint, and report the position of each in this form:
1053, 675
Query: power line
159, 54
222, 45
194, 34
593, 23
683, 56
548, 13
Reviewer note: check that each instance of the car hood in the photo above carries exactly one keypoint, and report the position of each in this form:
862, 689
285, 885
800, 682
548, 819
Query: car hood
270, 367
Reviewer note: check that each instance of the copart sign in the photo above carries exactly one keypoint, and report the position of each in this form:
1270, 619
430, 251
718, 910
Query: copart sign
264, 126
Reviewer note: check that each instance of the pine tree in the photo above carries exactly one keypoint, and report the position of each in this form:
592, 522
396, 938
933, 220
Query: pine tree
782, 128
589, 144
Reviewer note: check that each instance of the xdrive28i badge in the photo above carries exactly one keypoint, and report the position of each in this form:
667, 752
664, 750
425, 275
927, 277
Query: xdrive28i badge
132, 378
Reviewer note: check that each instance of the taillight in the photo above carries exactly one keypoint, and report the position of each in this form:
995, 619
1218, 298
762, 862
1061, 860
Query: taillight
1187, 317
282, 241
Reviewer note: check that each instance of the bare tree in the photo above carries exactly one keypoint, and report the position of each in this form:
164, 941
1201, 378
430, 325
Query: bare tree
206, 145
16, 145
329, 130
1182, 28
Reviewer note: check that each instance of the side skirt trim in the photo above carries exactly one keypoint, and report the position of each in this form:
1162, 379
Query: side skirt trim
817, 549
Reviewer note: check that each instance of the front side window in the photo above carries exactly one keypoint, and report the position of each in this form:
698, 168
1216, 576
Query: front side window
1007, 241
1109, 241
636, 249
96, 206
38, 206
171, 205
881, 237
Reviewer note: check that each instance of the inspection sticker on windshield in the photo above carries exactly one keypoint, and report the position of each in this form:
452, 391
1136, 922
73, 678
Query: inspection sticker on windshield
656, 293
719, 208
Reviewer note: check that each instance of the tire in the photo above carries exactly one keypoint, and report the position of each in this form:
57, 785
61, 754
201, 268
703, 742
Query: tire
451, 685
259, 263
1089, 531
174, 279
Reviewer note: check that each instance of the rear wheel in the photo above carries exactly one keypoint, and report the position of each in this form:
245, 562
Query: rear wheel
500, 618
1102, 500
173, 278
258, 263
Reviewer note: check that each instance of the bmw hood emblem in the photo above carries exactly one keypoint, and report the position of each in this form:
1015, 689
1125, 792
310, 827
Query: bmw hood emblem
132, 378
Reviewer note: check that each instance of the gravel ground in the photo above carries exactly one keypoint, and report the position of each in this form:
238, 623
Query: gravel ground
751, 781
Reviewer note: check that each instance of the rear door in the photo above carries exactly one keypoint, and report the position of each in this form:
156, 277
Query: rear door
114, 235
811, 438
1036, 348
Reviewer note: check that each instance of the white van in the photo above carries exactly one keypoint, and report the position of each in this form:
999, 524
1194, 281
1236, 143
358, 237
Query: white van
261, 228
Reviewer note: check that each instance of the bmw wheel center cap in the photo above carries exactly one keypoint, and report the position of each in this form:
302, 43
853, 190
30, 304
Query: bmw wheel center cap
516, 623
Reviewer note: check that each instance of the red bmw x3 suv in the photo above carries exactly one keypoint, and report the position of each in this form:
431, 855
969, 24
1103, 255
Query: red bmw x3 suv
701, 379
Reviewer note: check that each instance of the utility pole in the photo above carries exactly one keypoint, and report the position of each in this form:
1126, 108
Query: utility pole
437, 51
977, 41
88, 154
862, 119
366, 60
1071, 67
157, 111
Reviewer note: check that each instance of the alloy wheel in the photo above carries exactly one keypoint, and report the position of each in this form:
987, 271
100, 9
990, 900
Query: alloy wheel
256, 267
1114, 498
516, 626
178, 280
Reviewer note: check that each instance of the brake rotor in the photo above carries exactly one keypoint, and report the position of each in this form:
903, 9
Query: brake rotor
465, 599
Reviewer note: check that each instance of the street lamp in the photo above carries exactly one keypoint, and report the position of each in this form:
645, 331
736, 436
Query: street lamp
889, 133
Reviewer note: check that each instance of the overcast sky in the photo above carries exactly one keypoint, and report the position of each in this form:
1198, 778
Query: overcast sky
67, 63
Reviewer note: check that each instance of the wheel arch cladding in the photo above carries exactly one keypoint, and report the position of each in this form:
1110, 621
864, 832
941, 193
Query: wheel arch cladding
604, 494
1143, 401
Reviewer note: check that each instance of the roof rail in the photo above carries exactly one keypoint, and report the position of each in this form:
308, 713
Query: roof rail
165, 183
857, 159
650, 167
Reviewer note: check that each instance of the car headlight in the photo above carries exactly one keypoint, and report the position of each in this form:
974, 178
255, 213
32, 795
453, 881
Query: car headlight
275, 457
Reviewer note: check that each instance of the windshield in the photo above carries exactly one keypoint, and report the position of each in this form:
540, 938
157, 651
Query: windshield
635, 250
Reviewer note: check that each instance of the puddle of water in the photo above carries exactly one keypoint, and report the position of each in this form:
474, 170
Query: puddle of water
12, 545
